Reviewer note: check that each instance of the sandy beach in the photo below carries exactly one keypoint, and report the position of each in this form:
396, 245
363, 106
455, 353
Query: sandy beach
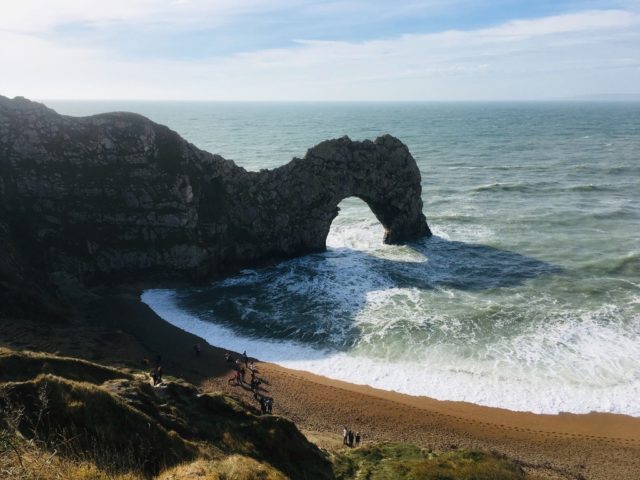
593, 446
122, 330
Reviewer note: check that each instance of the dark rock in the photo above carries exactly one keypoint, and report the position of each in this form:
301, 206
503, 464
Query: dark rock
117, 198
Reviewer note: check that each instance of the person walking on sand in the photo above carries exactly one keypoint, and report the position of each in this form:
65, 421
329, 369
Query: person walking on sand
357, 439
235, 378
245, 358
345, 434
157, 376
350, 438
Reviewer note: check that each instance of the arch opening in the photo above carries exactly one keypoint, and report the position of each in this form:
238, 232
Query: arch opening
355, 226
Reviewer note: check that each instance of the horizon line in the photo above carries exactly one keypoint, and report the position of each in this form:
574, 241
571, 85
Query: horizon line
586, 98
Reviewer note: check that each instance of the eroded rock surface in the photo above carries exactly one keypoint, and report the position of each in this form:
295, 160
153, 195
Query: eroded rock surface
118, 198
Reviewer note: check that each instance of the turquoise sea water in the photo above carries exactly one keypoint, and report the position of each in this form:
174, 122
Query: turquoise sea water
528, 295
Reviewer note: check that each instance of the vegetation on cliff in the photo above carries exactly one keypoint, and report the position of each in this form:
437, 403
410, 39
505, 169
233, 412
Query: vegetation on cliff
408, 462
116, 423
68, 418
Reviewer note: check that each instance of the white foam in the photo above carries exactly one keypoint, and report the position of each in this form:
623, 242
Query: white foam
602, 370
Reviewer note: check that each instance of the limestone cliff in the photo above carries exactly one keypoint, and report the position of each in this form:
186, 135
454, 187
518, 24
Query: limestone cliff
118, 198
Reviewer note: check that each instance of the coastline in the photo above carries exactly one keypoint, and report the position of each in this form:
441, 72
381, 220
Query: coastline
594, 445
520, 392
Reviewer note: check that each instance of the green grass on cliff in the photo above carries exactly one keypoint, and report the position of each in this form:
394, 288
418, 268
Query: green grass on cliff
408, 462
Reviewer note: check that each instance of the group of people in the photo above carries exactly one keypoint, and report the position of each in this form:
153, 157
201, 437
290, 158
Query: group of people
349, 438
239, 378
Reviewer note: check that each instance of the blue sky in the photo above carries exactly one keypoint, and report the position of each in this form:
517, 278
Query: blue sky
319, 50
281, 25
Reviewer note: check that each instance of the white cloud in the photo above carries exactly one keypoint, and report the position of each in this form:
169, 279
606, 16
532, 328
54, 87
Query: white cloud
38, 16
585, 52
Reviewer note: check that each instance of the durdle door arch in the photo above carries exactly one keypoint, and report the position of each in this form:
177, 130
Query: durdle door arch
118, 198
293, 206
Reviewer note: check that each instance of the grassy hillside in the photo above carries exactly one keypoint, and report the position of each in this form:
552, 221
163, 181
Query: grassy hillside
120, 424
67, 418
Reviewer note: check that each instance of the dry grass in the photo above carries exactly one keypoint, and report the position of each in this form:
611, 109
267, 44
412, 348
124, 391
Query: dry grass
82, 421
233, 467
68, 419
117, 424
28, 461
25, 365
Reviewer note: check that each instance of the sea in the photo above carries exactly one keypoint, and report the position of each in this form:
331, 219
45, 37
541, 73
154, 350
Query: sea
527, 297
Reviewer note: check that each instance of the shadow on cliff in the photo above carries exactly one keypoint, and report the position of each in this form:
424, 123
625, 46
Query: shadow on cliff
316, 300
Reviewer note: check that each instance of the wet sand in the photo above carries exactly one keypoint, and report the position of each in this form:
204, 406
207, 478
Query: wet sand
122, 330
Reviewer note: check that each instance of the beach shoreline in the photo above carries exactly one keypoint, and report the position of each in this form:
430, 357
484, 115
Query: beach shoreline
594, 445
118, 328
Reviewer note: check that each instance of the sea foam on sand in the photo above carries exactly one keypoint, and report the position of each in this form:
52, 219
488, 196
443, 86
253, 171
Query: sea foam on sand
440, 376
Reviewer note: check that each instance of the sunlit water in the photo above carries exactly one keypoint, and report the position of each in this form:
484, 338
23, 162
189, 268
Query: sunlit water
526, 298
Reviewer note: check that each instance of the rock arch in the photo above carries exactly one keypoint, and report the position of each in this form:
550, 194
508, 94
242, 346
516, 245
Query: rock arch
116, 197
382, 173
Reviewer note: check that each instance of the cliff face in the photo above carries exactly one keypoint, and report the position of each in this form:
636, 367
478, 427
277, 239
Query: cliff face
118, 198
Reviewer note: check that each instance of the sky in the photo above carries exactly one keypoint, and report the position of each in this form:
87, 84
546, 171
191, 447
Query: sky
316, 50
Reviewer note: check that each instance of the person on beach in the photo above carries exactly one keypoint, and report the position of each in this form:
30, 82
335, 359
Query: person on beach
245, 358
269, 405
350, 435
197, 349
357, 439
263, 405
236, 378
345, 434
157, 376
255, 388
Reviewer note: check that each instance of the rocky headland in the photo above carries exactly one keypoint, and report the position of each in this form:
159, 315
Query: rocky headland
116, 198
